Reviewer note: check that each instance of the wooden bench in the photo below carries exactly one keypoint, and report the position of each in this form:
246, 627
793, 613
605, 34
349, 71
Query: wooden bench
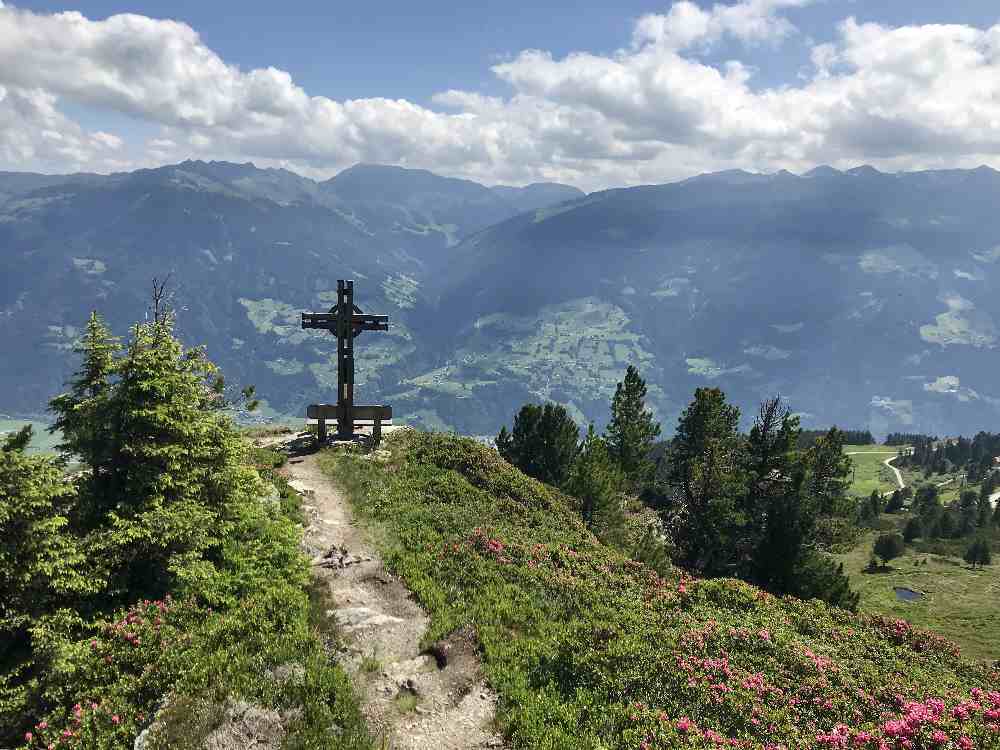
364, 416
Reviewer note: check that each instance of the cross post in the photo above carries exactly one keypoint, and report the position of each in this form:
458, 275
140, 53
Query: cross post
345, 320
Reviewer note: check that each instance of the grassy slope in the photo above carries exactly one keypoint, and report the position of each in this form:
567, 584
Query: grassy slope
960, 603
590, 650
870, 473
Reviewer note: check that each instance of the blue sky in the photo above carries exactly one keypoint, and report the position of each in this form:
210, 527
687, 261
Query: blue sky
555, 119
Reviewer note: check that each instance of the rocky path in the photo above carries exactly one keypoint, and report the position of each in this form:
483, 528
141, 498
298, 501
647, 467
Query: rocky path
412, 700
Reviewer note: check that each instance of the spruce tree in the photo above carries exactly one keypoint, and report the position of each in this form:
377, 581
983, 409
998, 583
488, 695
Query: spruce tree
82, 416
596, 481
542, 443
706, 472
829, 469
978, 553
888, 547
912, 530
631, 432
166, 459
41, 563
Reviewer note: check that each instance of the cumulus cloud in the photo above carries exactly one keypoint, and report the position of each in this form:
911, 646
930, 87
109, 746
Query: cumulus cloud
686, 24
951, 385
32, 130
652, 111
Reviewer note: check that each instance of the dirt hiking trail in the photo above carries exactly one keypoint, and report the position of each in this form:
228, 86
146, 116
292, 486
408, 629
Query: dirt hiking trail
412, 700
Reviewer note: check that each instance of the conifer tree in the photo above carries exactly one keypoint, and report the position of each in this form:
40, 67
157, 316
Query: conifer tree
542, 443
631, 432
983, 505
706, 471
912, 530
978, 553
41, 564
82, 416
888, 547
596, 481
829, 468
164, 457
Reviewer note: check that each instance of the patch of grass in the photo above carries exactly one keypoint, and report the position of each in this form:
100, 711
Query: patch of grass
258, 431
589, 649
406, 702
184, 723
370, 664
958, 602
870, 472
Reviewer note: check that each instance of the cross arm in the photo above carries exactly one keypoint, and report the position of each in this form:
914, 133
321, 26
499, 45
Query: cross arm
329, 321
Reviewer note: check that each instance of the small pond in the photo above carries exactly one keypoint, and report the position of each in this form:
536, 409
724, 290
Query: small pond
907, 595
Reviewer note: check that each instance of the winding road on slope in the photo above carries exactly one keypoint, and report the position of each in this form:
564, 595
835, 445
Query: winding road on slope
897, 472
893, 455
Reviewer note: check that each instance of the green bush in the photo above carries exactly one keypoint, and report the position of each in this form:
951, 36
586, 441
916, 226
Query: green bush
167, 573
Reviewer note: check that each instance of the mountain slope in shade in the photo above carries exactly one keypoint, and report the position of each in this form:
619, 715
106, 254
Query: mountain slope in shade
867, 299
245, 250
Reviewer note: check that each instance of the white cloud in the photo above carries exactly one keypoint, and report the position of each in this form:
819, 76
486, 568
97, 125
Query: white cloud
915, 96
32, 130
951, 385
901, 409
686, 24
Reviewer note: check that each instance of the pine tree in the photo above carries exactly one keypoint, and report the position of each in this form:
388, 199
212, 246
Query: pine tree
166, 461
912, 530
632, 431
770, 452
888, 547
41, 563
895, 503
978, 553
983, 506
829, 468
542, 443
596, 481
82, 416
706, 471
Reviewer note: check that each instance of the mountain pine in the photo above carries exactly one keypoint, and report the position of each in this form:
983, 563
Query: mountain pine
542, 443
632, 431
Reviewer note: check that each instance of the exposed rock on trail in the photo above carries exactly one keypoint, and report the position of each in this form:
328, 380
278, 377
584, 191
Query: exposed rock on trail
413, 699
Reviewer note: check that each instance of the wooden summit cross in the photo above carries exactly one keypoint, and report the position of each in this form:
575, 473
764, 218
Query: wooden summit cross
346, 321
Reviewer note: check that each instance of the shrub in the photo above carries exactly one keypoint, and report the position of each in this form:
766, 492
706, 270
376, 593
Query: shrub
888, 547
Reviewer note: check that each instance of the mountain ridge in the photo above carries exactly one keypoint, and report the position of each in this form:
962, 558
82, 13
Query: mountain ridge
862, 296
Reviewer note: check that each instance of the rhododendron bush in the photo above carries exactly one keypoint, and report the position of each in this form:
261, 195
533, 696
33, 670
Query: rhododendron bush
590, 649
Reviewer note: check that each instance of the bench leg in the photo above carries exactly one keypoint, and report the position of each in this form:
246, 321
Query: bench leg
321, 431
376, 433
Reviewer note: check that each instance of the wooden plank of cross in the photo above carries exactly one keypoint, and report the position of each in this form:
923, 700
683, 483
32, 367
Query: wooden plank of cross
346, 321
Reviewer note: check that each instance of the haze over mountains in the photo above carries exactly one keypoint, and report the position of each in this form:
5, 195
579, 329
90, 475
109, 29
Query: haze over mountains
867, 299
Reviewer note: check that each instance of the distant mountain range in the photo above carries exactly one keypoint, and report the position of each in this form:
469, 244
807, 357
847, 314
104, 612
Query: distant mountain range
867, 299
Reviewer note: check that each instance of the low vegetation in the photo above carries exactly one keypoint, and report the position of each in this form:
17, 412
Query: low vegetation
162, 582
588, 648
